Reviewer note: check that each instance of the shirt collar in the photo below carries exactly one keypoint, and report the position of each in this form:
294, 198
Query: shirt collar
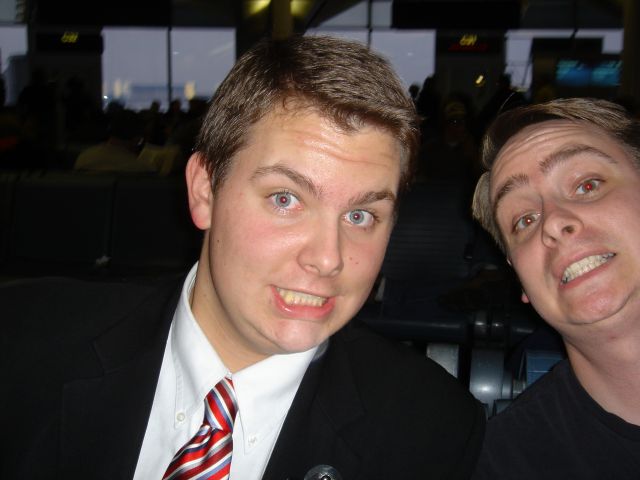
264, 391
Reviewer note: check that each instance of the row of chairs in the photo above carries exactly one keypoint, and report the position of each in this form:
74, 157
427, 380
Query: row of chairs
428, 257
74, 224
436, 293
64, 222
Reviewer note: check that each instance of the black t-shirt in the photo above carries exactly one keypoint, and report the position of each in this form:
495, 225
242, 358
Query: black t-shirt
555, 430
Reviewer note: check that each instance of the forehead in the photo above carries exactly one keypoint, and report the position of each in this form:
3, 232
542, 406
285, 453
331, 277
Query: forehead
528, 150
309, 127
308, 141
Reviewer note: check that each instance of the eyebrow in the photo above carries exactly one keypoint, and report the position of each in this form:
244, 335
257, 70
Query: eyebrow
296, 177
513, 182
371, 197
565, 154
546, 166
306, 183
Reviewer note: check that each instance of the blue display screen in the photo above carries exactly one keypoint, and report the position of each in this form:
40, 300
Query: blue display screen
582, 73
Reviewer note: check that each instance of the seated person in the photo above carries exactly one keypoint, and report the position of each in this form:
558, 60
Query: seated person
562, 199
119, 153
300, 161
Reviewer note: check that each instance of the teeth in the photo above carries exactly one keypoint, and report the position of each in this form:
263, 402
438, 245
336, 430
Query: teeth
585, 265
298, 298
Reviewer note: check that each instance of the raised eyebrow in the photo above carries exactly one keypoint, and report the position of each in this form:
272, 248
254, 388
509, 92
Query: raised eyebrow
513, 182
560, 156
296, 177
371, 197
546, 165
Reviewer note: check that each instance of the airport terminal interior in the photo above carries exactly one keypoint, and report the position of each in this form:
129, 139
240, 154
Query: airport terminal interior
101, 102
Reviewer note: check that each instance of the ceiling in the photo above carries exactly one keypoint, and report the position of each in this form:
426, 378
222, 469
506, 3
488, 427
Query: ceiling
311, 13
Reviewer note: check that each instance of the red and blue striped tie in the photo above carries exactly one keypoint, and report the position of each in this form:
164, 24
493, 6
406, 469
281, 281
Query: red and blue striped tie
208, 454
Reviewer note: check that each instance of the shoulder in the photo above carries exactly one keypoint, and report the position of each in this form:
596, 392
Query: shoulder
384, 362
389, 374
538, 424
50, 326
421, 405
539, 402
37, 295
39, 310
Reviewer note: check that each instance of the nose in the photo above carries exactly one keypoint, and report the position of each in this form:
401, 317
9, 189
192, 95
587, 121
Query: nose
322, 252
559, 225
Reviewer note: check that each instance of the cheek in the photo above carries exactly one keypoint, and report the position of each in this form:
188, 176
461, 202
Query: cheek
250, 238
529, 268
365, 259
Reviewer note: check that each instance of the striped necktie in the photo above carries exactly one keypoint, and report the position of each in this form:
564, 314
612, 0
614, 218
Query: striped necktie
208, 454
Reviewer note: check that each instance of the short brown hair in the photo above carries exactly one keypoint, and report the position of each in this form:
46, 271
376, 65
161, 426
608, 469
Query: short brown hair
612, 119
342, 80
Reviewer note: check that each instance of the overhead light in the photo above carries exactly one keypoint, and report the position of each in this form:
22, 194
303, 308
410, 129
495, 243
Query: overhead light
300, 8
253, 7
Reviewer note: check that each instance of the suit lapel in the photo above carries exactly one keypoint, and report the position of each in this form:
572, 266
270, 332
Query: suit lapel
104, 418
326, 402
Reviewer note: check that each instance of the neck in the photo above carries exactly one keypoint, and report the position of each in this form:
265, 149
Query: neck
223, 336
608, 368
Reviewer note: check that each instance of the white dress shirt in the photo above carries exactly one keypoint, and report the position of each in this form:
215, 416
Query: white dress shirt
190, 368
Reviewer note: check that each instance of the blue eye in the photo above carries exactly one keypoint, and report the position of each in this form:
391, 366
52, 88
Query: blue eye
360, 217
588, 186
284, 200
525, 221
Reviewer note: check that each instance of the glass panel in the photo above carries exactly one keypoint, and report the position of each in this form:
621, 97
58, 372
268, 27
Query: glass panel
134, 66
518, 49
352, 17
612, 40
13, 65
201, 58
13, 41
381, 14
8, 12
412, 52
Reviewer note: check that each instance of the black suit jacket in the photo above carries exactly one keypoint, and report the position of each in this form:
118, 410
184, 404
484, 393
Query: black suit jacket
80, 363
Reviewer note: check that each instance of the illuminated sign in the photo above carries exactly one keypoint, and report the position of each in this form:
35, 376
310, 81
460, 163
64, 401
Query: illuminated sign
469, 43
468, 40
69, 37
68, 41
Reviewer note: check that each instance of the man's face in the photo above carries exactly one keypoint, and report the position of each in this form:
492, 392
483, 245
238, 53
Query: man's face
296, 235
568, 207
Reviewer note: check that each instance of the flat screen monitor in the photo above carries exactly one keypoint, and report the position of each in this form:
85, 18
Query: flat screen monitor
572, 72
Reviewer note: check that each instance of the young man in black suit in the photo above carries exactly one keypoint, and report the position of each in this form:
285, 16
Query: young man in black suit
299, 164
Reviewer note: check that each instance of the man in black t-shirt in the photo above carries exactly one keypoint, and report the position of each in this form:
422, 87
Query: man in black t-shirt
562, 199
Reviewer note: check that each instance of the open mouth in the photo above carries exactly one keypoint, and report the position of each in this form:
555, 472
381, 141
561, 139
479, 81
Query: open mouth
291, 297
585, 265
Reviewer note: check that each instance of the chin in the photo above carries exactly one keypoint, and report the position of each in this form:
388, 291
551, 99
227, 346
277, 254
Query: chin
296, 341
593, 314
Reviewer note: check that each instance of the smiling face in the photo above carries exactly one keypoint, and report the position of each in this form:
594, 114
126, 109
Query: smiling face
567, 202
295, 234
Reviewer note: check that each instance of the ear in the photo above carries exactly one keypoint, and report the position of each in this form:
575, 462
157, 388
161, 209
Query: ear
524, 297
199, 192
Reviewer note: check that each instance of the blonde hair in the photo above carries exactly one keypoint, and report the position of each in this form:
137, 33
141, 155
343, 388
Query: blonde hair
611, 118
